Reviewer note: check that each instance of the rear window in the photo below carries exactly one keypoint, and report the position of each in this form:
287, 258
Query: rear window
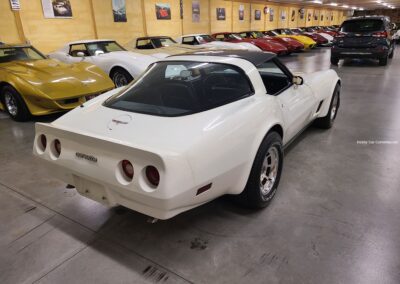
175, 88
359, 26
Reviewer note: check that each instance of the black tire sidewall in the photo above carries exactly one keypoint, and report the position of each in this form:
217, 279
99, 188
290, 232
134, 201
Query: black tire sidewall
123, 72
252, 193
22, 110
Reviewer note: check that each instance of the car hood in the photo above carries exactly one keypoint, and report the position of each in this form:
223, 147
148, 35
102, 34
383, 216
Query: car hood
130, 56
163, 52
60, 80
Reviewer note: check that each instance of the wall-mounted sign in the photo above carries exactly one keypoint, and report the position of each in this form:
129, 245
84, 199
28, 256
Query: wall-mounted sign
283, 16
57, 8
293, 16
301, 13
266, 10
221, 14
163, 11
195, 11
257, 15
15, 6
241, 12
119, 10
271, 14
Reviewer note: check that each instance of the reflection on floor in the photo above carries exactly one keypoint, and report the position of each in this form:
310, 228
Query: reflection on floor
335, 218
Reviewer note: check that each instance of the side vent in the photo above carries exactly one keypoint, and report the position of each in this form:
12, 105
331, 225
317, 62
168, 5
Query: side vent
319, 106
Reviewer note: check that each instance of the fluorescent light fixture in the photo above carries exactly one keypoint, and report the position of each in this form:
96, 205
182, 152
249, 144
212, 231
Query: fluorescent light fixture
333, 4
345, 6
379, 1
361, 9
317, 1
354, 8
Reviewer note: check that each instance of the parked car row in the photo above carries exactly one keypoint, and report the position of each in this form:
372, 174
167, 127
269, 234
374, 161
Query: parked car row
81, 70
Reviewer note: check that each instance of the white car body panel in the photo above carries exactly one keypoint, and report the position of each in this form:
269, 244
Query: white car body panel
134, 63
216, 146
327, 36
222, 44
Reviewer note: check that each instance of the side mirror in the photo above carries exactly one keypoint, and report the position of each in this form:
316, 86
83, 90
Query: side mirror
80, 54
297, 80
98, 52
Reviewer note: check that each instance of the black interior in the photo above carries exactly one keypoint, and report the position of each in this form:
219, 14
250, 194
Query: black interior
274, 83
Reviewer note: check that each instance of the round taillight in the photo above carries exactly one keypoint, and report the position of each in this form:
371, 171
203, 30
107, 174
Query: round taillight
43, 141
57, 146
127, 168
153, 176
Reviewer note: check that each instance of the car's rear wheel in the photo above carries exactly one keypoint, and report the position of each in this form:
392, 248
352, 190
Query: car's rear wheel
121, 77
327, 121
383, 61
392, 53
265, 173
14, 104
334, 60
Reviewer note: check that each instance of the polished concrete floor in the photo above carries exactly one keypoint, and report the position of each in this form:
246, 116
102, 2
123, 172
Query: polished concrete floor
335, 218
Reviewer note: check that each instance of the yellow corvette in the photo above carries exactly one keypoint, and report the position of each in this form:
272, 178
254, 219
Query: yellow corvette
308, 42
31, 84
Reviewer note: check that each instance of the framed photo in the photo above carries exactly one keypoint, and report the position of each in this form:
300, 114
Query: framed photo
301, 13
241, 12
283, 16
195, 11
309, 17
221, 14
119, 10
293, 16
163, 11
315, 15
57, 9
257, 15
271, 14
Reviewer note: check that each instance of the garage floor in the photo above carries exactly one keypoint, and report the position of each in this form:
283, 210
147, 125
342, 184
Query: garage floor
335, 219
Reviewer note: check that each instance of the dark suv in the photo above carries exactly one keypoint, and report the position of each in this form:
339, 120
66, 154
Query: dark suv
364, 37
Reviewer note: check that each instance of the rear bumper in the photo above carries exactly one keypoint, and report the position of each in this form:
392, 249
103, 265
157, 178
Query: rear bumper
375, 52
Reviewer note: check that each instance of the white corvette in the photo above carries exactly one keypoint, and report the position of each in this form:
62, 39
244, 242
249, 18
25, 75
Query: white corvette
192, 128
121, 65
209, 42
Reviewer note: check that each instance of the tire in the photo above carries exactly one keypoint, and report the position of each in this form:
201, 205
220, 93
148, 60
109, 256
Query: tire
263, 182
334, 60
120, 77
383, 61
14, 104
327, 121
392, 53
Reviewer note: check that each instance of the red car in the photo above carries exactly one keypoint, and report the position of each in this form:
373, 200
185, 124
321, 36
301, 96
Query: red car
291, 44
319, 29
263, 44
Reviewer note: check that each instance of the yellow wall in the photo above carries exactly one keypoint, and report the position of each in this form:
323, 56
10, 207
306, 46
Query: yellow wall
123, 32
221, 26
201, 27
8, 27
49, 34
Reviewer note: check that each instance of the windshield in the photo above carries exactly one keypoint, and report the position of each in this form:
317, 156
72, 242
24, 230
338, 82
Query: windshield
8, 54
104, 46
234, 36
258, 34
367, 25
175, 88
204, 38
163, 42
274, 33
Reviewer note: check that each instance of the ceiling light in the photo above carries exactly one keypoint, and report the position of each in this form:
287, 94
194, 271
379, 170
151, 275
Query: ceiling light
317, 1
379, 1
354, 8
361, 9
345, 6
333, 4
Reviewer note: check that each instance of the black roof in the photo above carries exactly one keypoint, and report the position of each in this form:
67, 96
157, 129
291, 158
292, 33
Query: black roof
373, 17
255, 57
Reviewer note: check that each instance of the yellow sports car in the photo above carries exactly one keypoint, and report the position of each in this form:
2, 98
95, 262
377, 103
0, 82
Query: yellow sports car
308, 42
31, 84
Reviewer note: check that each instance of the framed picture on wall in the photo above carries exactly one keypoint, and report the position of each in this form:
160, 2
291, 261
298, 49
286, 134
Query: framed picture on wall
241, 12
195, 11
257, 15
309, 17
283, 16
322, 17
119, 10
163, 11
293, 15
57, 8
271, 14
315, 15
221, 14
301, 13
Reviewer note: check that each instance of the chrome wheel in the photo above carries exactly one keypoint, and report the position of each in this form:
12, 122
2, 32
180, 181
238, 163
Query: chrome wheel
11, 104
120, 79
334, 106
269, 171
